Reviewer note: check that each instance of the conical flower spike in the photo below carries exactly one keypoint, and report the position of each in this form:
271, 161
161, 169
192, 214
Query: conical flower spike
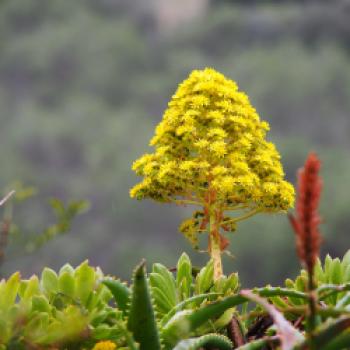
210, 151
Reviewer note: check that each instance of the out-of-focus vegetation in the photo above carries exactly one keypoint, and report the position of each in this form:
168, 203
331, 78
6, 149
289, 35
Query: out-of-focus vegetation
83, 83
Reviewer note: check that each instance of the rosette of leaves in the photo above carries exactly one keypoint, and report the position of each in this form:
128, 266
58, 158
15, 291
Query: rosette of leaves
66, 310
167, 312
332, 280
188, 289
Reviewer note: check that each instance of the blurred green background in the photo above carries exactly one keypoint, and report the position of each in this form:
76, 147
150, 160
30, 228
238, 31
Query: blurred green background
83, 84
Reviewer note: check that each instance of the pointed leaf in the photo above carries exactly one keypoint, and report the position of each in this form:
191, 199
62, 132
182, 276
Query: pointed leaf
214, 341
141, 320
183, 323
120, 292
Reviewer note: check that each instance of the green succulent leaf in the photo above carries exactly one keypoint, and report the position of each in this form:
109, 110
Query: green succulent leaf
84, 281
184, 276
141, 317
258, 344
216, 341
49, 281
183, 323
325, 338
204, 279
66, 284
120, 292
9, 290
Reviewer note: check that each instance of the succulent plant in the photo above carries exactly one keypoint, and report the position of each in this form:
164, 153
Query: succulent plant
161, 312
66, 309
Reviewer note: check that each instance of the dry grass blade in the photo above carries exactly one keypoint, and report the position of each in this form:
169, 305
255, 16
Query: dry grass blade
6, 198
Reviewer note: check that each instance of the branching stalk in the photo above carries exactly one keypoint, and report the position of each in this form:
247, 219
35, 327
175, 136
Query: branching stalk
214, 243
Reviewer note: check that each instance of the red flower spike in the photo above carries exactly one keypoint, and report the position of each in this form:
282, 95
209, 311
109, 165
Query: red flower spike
307, 220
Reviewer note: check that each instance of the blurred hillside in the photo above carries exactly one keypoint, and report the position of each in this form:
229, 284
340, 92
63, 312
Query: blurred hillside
83, 84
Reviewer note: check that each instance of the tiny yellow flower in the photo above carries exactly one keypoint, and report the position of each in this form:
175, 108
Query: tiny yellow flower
104, 345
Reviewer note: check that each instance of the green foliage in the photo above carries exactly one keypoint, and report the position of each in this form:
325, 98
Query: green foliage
210, 340
159, 313
332, 279
186, 310
183, 287
68, 309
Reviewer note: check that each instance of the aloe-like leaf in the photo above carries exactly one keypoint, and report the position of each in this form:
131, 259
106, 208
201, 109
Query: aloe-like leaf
120, 292
282, 292
336, 276
141, 318
231, 283
161, 301
318, 272
215, 341
290, 336
329, 290
183, 323
166, 295
183, 304
324, 337
184, 276
169, 285
204, 279
345, 300
259, 343
341, 341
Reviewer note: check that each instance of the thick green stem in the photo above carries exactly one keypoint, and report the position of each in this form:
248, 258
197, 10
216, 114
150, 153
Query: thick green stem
311, 319
215, 250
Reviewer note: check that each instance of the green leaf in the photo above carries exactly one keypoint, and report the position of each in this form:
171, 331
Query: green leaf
214, 341
346, 274
183, 323
319, 273
204, 279
169, 285
162, 302
323, 338
183, 304
9, 291
120, 292
85, 281
141, 318
341, 341
67, 268
346, 260
32, 288
258, 344
281, 292
40, 303
327, 268
49, 281
66, 284
184, 276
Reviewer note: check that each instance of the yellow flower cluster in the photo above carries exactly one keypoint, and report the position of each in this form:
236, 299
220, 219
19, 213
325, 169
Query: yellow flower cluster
105, 345
212, 138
